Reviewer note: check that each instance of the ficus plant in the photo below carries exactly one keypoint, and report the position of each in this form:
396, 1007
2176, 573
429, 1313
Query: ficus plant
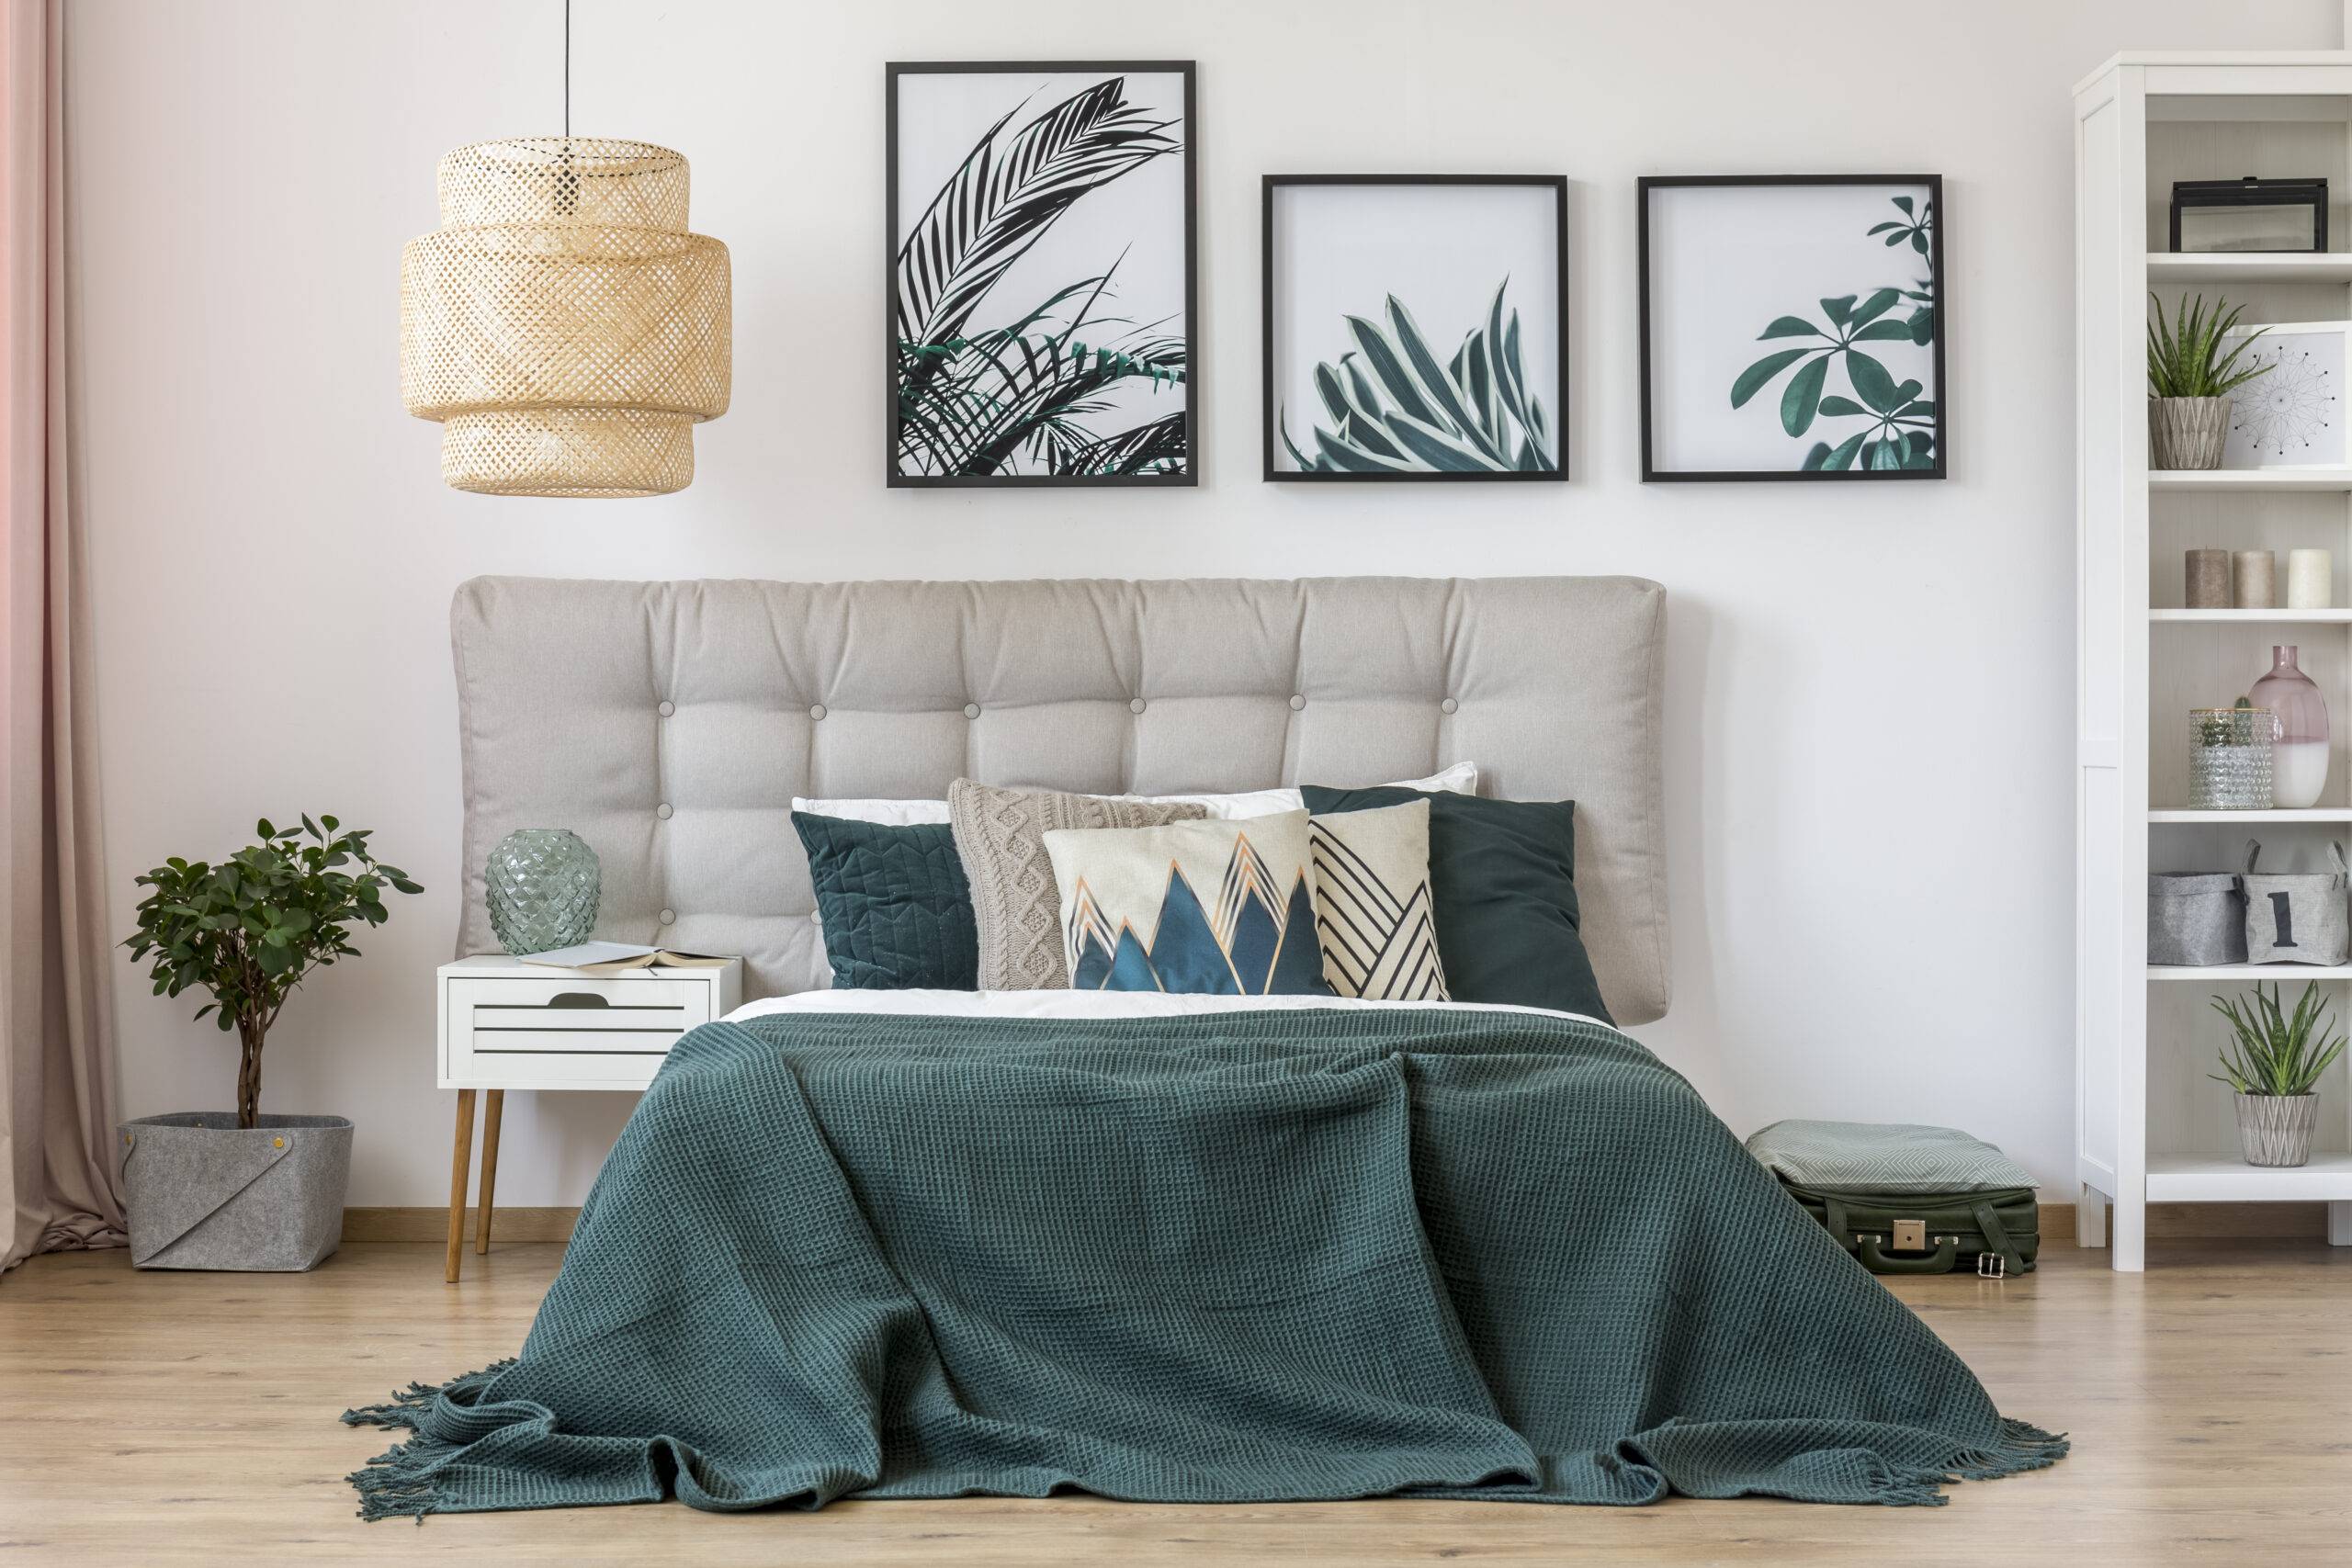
249, 929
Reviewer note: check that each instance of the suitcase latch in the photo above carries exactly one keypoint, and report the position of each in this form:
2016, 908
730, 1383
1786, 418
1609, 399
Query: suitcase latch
1910, 1236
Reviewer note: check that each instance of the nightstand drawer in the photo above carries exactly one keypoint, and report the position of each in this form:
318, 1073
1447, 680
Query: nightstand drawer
581, 1003
499, 1017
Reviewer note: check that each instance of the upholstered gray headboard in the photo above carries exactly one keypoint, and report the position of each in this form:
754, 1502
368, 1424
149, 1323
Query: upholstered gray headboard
670, 724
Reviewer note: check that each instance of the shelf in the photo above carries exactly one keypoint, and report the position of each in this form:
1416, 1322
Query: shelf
2280, 617
2271, 481
2226, 1179
2177, 814
2227, 972
2231, 266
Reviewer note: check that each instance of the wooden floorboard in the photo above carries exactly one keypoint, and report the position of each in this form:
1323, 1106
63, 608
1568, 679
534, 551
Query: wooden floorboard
149, 1418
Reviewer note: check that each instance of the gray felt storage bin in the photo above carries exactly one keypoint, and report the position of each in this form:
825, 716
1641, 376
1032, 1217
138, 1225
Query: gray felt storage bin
204, 1194
2196, 916
2295, 917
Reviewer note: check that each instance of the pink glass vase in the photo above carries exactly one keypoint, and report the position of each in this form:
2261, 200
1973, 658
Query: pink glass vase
2299, 762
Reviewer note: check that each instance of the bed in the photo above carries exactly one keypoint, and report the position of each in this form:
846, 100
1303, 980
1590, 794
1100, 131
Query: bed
1179, 1248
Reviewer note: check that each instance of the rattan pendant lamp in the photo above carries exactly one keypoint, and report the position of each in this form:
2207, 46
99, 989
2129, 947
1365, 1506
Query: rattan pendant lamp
561, 324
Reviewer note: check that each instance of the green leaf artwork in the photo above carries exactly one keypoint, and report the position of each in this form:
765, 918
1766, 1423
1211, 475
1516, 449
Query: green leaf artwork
1394, 407
1026, 397
1899, 429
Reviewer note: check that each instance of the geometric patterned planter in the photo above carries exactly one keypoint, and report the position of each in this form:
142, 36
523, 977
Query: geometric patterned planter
2275, 1129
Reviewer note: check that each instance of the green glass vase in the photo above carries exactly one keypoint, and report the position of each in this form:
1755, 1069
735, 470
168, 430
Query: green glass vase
543, 887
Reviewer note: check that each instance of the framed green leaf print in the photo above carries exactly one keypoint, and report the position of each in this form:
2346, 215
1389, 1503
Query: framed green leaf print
1415, 327
1039, 228
1792, 327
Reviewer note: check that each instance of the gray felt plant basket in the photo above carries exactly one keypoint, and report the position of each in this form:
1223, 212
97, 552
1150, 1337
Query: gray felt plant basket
2196, 918
204, 1194
2297, 916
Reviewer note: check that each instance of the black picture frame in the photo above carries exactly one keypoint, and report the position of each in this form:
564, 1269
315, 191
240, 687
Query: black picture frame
1267, 261
1934, 184
892, 71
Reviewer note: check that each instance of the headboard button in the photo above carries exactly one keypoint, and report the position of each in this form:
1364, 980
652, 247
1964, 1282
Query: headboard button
669, 917
816, 710
1297, 703
662, 811
1449, 705
1135, 705
665, 707
971, 710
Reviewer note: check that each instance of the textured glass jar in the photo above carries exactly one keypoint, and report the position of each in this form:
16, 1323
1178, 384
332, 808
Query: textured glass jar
543, 887
2299, 763
2229, 759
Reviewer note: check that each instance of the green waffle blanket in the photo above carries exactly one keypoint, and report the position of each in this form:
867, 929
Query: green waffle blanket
1245, 1257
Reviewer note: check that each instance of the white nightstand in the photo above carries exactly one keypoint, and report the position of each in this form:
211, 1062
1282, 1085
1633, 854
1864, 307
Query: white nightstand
506, 1025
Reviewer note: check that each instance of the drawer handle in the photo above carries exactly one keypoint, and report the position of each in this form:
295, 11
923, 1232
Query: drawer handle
577, 999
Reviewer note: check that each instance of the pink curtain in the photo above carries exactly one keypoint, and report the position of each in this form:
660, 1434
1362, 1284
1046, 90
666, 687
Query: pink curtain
58, 1176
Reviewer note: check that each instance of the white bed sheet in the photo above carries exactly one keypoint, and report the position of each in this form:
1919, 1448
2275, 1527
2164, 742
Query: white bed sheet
1083, 1004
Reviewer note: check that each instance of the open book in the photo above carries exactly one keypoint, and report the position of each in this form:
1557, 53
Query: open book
613, 957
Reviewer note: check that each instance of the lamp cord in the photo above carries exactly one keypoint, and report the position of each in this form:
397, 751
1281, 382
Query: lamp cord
567, 70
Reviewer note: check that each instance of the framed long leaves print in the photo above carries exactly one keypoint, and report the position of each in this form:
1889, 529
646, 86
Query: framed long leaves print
1416, 327
1792, 327
1039, 221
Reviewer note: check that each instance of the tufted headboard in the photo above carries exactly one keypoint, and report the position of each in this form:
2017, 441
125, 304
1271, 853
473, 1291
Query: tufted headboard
670, 724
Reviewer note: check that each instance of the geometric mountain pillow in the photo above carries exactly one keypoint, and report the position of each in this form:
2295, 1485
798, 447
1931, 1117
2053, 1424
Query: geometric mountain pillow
1372, 911
1215, 908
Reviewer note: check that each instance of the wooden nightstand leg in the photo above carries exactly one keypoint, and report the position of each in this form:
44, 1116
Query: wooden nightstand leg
494, 1103
458, 1173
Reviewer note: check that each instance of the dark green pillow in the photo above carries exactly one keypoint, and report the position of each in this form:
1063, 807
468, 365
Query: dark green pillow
893, 905
1502, 878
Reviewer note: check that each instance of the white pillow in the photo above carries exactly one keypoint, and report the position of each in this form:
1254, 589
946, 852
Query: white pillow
889, 813
1460, 779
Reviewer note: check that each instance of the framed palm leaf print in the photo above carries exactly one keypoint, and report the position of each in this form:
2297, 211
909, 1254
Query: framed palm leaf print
1416, 327
1792, 327
1040, 235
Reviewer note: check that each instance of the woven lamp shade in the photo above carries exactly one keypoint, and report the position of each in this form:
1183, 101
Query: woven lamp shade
563, 325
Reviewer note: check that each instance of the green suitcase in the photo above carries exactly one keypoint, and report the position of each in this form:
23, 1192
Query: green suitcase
1908, 1200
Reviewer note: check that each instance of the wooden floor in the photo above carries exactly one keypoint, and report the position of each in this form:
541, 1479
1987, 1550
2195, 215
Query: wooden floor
164, 1418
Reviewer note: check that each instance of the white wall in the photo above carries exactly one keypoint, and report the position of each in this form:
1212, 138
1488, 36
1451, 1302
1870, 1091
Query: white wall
1870, 686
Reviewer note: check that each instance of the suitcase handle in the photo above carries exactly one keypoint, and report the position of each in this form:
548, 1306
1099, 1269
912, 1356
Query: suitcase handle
1878, 1261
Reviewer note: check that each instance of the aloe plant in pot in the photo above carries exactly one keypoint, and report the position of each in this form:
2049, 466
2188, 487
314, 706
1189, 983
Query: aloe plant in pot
2274, 1062
224, 1189
2189, 382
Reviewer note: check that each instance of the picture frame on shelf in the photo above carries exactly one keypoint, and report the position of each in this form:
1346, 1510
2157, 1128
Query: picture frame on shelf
1415, 328
1040, 240
1792, 327
2290, 416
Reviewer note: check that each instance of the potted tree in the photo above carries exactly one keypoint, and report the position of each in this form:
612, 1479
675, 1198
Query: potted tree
239, 1190
2189, 382
2273, 1063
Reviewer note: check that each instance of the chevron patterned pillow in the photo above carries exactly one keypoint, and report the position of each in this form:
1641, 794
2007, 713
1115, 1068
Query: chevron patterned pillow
1373, 917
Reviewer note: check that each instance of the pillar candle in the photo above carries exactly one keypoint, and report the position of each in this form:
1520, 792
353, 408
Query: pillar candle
2207, 573
2311, 580
2255, 579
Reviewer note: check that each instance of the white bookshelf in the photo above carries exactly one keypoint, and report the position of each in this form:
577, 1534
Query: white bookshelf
2150, 1125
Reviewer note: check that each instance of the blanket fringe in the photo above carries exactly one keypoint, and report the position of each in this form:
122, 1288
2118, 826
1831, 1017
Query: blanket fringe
398, 1482
2022, 1447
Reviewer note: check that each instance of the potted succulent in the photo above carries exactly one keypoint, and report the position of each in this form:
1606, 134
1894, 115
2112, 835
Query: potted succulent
2273, 1063
239, 1190
2189, 382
